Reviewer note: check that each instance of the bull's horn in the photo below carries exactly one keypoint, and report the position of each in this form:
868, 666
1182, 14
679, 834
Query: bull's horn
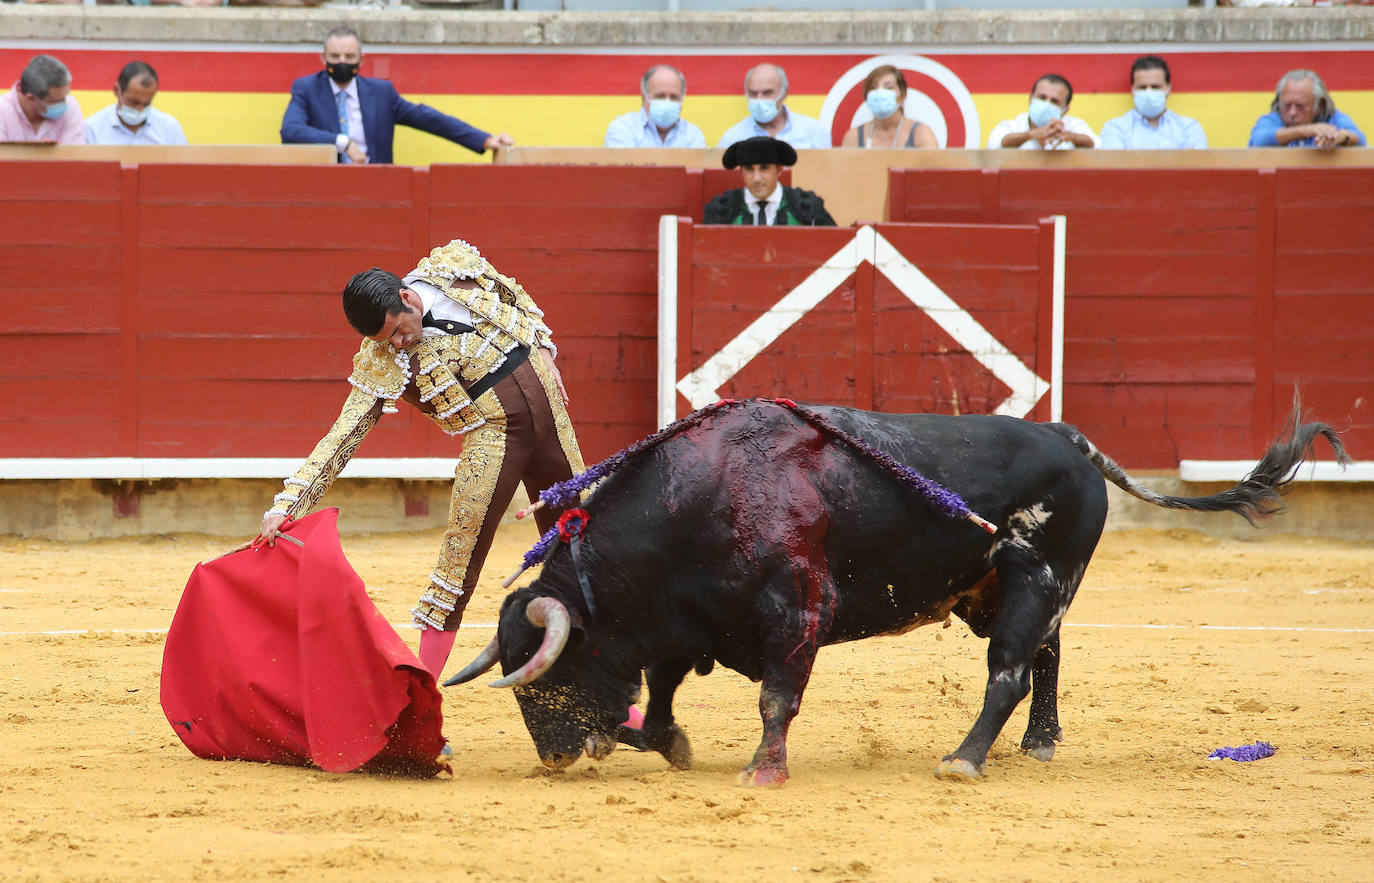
489, 656
550, 615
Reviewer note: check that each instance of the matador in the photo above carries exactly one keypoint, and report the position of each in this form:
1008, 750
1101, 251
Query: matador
468, 348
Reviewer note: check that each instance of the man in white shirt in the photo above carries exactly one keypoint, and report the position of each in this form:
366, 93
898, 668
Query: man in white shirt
132, 119
1047, 124
658, 122
765, 88
1151, 126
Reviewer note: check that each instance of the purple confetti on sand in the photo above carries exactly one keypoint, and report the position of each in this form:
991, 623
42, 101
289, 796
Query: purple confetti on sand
1257, 751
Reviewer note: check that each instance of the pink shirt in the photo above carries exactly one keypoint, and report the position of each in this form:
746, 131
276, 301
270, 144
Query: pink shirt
15, 126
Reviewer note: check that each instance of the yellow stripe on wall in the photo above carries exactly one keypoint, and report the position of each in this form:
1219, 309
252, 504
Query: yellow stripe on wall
580, 121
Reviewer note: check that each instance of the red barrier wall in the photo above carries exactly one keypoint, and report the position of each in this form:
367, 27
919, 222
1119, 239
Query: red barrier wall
1195, 299
190, 311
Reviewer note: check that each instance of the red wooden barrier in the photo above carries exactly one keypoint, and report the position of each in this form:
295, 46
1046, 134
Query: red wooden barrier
193, 311
897, 317
1196, 299
61, 292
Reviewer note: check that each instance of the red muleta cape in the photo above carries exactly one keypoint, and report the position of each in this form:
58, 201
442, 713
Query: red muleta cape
278, 655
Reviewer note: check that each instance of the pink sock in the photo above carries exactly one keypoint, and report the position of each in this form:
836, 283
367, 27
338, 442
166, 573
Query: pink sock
434, 649
636, 719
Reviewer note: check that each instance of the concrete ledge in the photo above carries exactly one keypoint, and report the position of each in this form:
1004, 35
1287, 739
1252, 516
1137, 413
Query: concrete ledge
1231, 470
774, 29
152, 468
76, 510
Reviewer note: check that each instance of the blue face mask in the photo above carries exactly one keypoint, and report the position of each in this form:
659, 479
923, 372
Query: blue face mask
1150, 102
664, 112
53, 111
1041, 112
882, 103
763, 110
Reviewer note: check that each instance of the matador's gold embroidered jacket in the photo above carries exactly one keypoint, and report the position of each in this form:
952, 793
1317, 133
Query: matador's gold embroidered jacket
428, 374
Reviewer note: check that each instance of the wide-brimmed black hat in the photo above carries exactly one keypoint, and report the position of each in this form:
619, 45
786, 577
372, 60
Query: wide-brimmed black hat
759, 151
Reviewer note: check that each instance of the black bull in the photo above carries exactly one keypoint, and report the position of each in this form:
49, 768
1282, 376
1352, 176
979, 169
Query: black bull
753, 537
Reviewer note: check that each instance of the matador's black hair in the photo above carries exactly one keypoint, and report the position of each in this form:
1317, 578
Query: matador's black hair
371, 296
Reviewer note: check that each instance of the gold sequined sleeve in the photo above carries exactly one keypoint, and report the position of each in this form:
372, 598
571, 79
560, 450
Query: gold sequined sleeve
304, 489
543, 335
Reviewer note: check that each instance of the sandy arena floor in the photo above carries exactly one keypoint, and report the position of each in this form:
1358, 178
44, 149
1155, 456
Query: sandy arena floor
1177, 644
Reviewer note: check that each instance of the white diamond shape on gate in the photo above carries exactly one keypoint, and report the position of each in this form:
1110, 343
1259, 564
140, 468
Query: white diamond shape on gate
701, 387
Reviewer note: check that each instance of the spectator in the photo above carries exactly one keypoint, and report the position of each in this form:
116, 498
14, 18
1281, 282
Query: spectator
765, 88
1047, 124
658, 122
763, 199
1304, 115
132, 119
1151, 126
885, 97
358, 115
40, 106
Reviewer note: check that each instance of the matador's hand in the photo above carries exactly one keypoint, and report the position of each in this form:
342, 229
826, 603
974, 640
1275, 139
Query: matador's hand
271, 529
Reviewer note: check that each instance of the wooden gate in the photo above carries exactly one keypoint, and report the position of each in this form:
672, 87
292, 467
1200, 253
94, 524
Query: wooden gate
942, 318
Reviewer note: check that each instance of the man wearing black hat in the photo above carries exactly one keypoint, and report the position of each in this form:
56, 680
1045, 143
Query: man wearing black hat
763, 199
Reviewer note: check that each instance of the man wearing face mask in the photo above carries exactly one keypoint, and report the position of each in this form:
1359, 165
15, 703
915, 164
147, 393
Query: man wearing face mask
132, 119
1047, 124
1150, 126
40, 107
358, 115
658, 122
765, 88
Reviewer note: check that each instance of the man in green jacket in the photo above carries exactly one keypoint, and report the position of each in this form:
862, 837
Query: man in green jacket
763, 199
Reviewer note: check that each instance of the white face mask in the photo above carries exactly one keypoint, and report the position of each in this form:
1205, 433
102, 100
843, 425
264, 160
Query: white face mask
132, 117
1041, 112
664, 112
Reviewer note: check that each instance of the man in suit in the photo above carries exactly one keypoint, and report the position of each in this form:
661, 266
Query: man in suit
763, 199
358, 114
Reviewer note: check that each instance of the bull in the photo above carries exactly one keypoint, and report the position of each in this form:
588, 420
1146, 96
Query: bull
754, 533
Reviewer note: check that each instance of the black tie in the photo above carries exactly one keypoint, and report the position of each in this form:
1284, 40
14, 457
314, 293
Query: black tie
763, 217
445, 325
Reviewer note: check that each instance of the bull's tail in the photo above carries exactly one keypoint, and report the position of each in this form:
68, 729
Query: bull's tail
1258, 495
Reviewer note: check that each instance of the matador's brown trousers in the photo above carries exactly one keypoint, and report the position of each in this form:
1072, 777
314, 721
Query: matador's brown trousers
530, 440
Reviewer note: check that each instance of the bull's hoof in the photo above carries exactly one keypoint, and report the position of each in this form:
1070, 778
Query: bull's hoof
1039, 742
959, 770
763, 777
679, 753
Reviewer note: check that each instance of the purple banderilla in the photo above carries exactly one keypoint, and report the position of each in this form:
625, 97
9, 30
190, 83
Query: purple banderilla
1257, 751
565, 493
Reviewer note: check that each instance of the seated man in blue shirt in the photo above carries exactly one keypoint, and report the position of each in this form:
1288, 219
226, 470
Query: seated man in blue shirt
1151, 126
132, 119
1304, 115
659, 122
765, 89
